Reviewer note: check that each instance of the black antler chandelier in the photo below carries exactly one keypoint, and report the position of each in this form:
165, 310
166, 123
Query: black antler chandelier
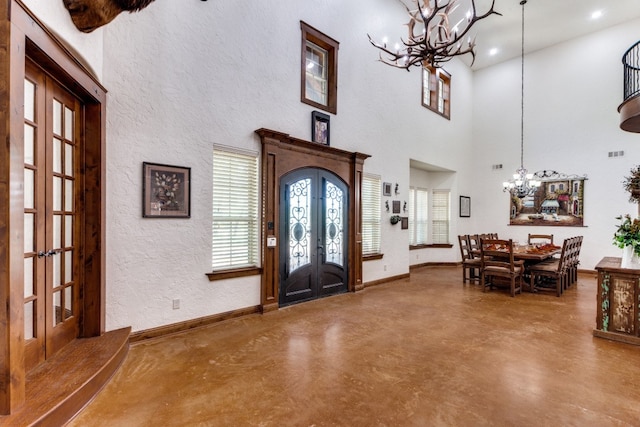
433, 40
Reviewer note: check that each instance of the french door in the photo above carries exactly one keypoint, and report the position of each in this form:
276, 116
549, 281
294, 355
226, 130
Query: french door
52, 122
313, 224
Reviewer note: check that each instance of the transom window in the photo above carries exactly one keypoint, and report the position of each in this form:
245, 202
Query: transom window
319, 74
436, 90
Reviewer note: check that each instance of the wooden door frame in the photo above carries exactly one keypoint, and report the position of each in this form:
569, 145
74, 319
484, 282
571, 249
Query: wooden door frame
282, 154
22, 35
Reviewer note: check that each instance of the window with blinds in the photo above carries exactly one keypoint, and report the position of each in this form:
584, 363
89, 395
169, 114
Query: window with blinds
418, 216
440, 214
371, 214
235, 210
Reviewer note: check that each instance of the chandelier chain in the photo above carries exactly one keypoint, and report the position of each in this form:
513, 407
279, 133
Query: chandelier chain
523, 2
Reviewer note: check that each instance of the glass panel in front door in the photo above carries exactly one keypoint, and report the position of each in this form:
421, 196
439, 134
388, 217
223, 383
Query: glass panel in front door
334, 231
299, 224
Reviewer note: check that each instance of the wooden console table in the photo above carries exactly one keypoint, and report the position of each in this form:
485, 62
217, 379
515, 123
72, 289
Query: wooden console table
618, 307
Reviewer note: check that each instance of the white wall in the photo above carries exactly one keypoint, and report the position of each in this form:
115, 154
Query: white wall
87, 46
572, 92
185, 75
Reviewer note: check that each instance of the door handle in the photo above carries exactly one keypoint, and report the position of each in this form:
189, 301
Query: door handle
50, 252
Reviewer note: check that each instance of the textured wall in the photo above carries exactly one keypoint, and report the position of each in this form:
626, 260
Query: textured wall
89, 46
183, 76
572, 92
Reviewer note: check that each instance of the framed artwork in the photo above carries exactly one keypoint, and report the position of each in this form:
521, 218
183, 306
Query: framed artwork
465, 207
386, 189
396, 206
558, 201
166, 191
320, 127
405, 223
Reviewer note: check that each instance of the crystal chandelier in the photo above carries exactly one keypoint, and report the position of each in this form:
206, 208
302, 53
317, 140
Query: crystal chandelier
432, 40
522, 184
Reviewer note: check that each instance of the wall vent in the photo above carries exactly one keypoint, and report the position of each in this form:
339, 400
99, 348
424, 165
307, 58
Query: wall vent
616, 153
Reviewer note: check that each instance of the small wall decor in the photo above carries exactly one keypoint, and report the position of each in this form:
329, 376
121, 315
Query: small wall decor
397, 189
465, 207
404, 207
394, 219
405, 223
166, 191
386, 189
386, 204
320, 127
396, 206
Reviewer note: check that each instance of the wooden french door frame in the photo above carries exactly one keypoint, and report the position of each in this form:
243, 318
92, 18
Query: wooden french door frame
282, 154
22, 35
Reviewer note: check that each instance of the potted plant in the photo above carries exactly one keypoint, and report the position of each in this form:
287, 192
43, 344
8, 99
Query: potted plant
627, 238
631, 183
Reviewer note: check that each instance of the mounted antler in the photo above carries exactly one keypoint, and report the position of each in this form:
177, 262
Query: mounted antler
438, 41
87, 15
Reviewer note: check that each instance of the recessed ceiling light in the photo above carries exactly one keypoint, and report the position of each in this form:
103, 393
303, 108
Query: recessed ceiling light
597, 14
493, 51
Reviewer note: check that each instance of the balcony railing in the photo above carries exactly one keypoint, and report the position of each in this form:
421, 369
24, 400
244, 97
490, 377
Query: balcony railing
631, 62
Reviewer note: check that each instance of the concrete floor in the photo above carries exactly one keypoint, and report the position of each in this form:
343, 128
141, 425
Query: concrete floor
424, 351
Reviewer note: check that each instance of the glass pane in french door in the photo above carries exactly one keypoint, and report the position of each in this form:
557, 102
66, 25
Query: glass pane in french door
32, 238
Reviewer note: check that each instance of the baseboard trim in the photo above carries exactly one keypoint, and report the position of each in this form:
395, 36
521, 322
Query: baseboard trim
434, 264
386, 279
190, 324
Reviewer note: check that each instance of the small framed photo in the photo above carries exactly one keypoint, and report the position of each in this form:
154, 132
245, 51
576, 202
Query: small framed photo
166, 191
405, 223
320, 127
396, 206
465, 207
386, 189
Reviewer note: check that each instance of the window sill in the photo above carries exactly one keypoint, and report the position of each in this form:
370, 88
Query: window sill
371, 257
232, 274
435, 245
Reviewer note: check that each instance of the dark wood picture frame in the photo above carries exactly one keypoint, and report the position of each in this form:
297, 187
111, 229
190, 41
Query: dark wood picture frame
320, 127
386, 189
465, 207
396, 207
166, 191
404, 223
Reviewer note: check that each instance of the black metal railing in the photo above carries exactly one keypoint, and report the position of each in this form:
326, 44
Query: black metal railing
631, 62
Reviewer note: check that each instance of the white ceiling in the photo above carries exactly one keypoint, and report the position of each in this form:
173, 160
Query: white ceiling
547, 22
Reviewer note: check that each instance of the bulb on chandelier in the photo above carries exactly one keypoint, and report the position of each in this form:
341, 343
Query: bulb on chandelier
522, 184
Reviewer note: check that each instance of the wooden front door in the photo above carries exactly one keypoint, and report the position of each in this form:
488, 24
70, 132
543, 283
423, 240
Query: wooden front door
313, 235
52, 122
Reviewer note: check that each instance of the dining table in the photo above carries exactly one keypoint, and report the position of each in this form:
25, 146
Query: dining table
535, 253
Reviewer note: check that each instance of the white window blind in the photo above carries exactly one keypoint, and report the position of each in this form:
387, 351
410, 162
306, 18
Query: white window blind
440, 213
418, 216
235, 210
371, 214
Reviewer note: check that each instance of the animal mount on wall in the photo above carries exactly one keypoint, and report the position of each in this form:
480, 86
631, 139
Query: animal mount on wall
87, 15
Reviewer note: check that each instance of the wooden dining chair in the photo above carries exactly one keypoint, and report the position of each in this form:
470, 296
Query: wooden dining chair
557, 271
474, 245
535, 239
498, 262
470, 264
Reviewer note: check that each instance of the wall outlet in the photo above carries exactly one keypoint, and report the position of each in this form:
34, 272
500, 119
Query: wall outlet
176, 304
385, 267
